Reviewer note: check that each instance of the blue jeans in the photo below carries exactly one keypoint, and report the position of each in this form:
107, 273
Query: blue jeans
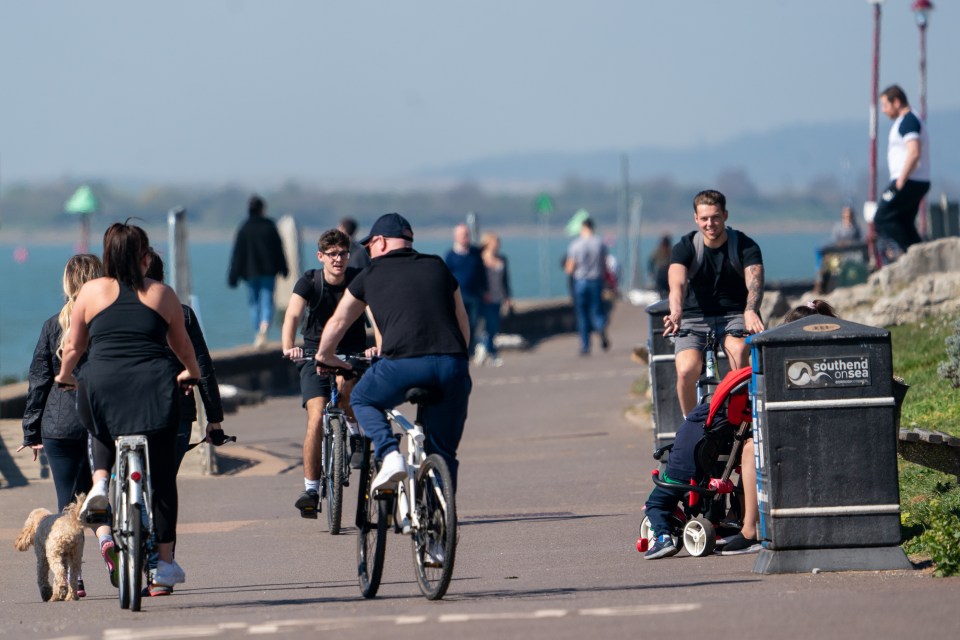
384, 386
69, 467
260, 299
681, 468
491, 324
588, 304
472, 305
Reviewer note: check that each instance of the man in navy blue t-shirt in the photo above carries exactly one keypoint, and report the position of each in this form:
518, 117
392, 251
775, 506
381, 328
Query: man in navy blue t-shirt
908, 158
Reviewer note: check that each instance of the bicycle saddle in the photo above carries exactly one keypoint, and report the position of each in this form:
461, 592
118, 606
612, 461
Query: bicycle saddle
423, 395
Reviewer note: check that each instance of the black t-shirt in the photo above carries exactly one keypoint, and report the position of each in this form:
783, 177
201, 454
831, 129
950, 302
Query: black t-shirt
411, 296
320, 309
717, 288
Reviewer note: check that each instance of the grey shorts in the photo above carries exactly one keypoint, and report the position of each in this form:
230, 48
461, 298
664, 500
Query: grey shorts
720, 325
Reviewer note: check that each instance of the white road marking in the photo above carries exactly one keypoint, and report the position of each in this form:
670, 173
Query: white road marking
328, 624
640, 610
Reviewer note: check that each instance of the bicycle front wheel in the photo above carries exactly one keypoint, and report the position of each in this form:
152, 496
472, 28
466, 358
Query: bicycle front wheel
434, 541
372, 540
334, 470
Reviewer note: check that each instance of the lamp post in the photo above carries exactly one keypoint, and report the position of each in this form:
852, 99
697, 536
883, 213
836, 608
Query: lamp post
870, 207
921, 11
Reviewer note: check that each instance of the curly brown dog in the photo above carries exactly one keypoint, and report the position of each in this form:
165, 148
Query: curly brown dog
58, 540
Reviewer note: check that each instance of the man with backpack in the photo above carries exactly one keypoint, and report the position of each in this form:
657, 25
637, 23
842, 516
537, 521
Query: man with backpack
716, 283
318, 292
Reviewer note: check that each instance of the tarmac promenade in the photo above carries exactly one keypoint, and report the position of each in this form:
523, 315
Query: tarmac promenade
555, 468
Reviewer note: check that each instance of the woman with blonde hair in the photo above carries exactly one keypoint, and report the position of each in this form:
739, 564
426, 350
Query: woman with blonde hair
128, 385
50, 421
498, 296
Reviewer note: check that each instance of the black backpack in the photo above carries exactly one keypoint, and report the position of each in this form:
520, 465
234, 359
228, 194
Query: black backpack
733, 238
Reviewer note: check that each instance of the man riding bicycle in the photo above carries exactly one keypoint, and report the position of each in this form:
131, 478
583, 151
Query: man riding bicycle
318, 292
716, 284
422, 335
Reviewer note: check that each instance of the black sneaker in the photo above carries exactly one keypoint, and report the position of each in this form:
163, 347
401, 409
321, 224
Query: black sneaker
356, 452
309, 504
738, 546
604, 341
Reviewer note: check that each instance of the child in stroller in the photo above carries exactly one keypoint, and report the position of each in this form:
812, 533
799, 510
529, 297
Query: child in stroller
702, 457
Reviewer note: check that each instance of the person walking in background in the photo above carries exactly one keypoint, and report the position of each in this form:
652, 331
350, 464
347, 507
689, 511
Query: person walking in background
658, 266
258, 259
587, 263
128, 385
359, 258
498, 296
466, 264
50, 420
908, 158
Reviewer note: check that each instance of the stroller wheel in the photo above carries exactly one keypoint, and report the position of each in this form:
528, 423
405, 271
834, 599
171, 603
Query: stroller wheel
699, 537
646, 533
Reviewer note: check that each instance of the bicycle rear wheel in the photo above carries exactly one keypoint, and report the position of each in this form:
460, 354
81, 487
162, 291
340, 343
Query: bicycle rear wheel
333, 468
122, 542
434, 541
372, 539
133, 552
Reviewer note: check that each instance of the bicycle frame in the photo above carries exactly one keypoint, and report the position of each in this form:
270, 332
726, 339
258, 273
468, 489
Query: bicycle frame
412, 450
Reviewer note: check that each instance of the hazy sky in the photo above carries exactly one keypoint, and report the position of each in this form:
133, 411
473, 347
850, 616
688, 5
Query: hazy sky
327, 92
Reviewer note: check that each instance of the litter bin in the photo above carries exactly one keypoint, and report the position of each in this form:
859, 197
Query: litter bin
667, 416
826, 447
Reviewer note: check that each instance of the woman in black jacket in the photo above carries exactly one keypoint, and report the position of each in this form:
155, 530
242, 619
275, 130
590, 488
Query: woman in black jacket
50, 421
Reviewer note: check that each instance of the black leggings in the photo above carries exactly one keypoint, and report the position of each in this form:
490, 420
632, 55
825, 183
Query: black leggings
163, 476
69, 466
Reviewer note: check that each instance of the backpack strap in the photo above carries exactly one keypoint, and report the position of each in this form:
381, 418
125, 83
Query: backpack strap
733, 252
316, 275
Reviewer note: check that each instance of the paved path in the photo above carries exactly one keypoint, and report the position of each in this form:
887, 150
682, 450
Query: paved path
553, 476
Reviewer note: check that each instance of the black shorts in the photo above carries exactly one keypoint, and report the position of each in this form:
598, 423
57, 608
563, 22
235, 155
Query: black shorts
311, 385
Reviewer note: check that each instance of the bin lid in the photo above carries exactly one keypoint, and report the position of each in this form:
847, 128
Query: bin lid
817, 328
661, 306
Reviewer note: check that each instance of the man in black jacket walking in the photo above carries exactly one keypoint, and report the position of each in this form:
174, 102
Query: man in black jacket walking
257, 259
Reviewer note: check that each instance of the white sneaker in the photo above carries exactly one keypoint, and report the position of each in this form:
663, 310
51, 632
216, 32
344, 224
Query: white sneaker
479, 354
97, 503
495, 362
169, 574
393, 469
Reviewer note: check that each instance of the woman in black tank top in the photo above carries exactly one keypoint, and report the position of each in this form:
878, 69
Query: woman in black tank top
128, 386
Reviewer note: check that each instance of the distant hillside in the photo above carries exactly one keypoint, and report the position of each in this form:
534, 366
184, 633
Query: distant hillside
789, 157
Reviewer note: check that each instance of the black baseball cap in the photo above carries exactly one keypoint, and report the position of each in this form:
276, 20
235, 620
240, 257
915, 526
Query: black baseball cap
389, 225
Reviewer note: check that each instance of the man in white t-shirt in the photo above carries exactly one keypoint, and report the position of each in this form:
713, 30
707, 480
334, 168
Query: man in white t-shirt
908, 157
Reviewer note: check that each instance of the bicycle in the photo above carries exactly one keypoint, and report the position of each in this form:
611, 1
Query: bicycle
132, 508
710, 371
334, 452
422, 506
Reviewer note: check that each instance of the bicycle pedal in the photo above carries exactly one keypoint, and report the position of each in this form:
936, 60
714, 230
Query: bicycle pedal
97, 518
346, 482
309, 514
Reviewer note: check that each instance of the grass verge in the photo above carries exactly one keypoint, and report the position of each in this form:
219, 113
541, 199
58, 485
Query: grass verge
929, 500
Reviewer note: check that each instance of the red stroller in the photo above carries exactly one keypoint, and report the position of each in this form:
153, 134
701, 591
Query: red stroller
710, 496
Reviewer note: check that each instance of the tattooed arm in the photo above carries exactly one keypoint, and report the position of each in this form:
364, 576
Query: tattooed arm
751, 315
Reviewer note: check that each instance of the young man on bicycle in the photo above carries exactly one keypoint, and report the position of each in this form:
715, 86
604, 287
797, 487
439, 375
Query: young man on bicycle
716, 284
318, 292
422, 335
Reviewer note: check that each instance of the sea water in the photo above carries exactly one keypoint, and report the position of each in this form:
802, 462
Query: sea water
31, 283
